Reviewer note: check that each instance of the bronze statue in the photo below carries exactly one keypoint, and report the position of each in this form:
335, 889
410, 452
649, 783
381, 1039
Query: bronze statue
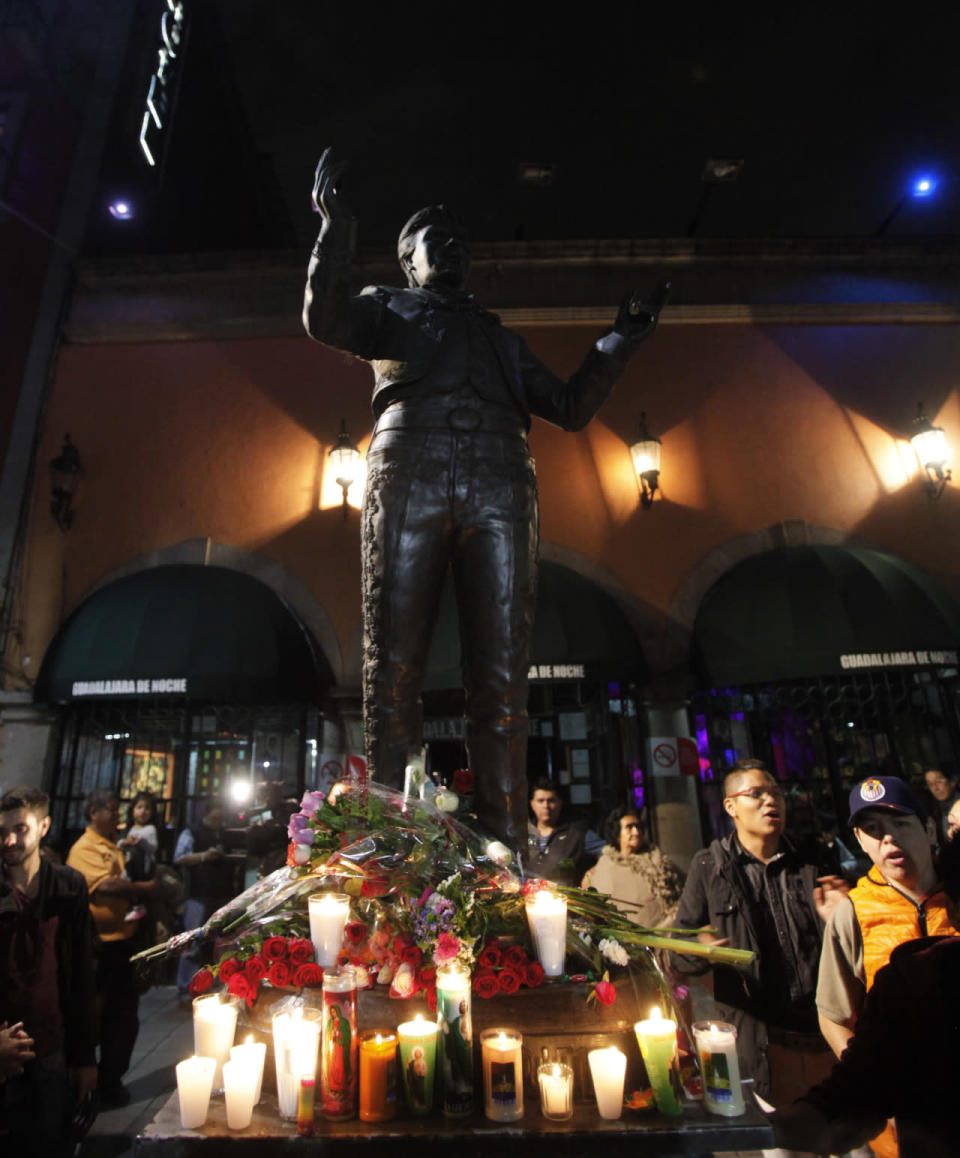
450, 483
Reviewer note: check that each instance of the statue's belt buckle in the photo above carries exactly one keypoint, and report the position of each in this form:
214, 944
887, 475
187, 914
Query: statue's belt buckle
465, 419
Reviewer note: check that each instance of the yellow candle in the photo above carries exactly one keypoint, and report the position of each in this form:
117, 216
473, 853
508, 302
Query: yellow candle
378, 1070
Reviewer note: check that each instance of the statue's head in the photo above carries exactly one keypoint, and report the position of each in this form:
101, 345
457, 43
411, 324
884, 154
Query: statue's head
433, 249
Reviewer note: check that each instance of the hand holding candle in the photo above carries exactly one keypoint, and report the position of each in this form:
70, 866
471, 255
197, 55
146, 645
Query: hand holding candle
657, 1038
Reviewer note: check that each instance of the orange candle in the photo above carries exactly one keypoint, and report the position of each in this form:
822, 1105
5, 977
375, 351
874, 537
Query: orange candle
378, 1075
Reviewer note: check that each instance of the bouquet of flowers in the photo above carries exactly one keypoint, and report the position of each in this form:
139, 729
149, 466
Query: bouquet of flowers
426, 889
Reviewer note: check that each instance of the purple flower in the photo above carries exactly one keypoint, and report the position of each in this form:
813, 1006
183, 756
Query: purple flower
311, 802
304, 836
298, 822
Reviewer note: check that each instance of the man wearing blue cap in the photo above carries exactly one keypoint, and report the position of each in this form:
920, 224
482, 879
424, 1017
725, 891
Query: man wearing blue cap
898, 900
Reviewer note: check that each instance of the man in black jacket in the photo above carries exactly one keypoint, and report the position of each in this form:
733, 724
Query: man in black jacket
450, 484
760, 892
47, 975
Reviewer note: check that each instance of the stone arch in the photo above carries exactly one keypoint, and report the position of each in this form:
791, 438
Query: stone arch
207, 553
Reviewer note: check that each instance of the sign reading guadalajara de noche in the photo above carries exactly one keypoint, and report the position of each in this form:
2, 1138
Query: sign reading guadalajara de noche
872, 659
556, 671
151, 687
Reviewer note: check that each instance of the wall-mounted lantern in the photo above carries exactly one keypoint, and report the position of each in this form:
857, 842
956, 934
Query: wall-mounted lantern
346, 463
646, 462
933, 452
65, 469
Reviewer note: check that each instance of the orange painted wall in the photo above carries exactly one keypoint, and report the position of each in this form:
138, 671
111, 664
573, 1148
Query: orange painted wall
227, 439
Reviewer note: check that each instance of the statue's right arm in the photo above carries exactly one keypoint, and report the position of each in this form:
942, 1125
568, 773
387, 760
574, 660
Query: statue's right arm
331, 314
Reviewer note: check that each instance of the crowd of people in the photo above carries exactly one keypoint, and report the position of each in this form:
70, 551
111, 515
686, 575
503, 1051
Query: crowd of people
860, 973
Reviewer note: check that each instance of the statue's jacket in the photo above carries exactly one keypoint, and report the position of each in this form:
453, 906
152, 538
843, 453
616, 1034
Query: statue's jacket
402, 332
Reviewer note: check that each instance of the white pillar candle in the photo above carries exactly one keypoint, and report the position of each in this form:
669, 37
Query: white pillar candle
214, 1026
296, 1040
717, 1048
501, 1052
328, 918
194, 1083
255, 1053
608, 1067
239, 1086
556, 1090
547, 917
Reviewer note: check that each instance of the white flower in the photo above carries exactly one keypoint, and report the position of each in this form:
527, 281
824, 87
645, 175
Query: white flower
614, 951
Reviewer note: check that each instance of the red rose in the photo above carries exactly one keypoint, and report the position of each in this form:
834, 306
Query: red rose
274, 949
228, 968
375, 887
201, 981
432, 999
606, 992
255, 969
463, 780
426, 976
279, 974
356, 932
508, 981
309, 974
240, 985
299, 951
515, 957
490, 956
411, 955
533, 974
533, 885
485, 984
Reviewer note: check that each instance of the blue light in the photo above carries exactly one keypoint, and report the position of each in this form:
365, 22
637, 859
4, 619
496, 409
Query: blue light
121, 210
924, 186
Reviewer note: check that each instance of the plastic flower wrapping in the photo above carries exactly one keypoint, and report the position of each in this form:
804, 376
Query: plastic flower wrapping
425, 889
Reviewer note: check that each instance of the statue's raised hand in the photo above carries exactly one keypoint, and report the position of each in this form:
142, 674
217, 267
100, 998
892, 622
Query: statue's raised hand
637, 318
327, 199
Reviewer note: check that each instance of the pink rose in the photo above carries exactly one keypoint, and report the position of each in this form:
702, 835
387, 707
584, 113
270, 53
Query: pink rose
447, 948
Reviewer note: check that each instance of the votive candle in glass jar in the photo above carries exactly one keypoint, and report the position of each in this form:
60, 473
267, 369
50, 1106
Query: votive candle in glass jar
502, 1054
418, 1054
454, 1039
547, 918
556, 1091
328, 919
378, 1075
214, 1027
338, 1052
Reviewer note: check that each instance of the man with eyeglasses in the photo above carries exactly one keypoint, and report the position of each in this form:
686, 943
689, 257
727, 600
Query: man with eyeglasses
757, 890
899, 899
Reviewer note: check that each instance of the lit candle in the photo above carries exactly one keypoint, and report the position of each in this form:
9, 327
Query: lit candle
255, 1054
501, 1051
418, 1052
328, 918
306, 1106
296, 1039
378, 1075
657, 1038
547, 917
608, 1067
214, 1026
338, 1050
239, 1086
556, 1090
717, 1047
194, 1083
454, 1039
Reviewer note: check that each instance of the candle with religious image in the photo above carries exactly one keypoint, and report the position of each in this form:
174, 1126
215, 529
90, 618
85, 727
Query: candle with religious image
717, 1049
338, 1051
418, 1053
454, 1039
501, 1055
657, 1038
378, 1075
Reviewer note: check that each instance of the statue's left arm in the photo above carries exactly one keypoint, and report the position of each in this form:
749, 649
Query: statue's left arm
571, 404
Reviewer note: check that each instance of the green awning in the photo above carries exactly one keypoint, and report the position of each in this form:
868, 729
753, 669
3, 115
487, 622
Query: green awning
799, 612
204, 633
